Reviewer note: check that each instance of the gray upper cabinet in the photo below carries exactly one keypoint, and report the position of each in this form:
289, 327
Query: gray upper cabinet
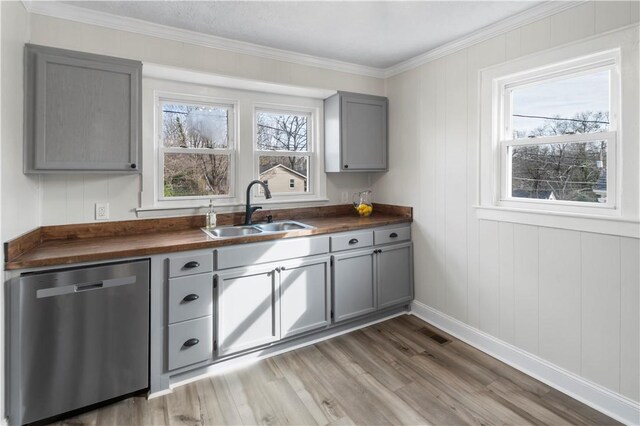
82, 112
356, 134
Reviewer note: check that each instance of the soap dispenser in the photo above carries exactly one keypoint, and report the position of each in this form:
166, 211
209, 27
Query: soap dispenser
211, 216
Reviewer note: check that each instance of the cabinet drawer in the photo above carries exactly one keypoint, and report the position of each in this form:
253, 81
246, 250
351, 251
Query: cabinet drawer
190, 297
189, 265
352, 240
190, 342
392, 235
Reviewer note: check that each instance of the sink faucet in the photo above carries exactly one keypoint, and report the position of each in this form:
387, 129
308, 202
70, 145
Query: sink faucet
249, 211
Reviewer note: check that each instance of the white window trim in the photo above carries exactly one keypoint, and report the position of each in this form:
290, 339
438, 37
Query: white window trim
231, 150
243, 94
311, 152
623, 219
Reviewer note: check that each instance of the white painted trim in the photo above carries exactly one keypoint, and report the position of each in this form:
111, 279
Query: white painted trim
245, 360
608, 225
528, 16
598, 397
165, 72
78, 14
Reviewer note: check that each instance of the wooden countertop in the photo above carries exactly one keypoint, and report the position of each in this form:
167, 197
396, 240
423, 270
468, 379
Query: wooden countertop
50, 246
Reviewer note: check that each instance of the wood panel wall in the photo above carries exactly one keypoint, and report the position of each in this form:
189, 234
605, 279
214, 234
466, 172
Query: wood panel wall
569, 297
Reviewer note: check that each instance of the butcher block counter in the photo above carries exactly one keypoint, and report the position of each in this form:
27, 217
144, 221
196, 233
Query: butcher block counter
67, 244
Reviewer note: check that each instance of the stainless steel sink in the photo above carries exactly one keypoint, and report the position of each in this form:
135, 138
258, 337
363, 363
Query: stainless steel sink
259, 228
287, 225
232, 231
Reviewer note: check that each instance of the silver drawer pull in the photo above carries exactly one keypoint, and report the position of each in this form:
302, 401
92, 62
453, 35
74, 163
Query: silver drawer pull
353, 241
191, 342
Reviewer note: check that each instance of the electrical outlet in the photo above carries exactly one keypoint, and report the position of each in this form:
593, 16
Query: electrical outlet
102, 211
344, 197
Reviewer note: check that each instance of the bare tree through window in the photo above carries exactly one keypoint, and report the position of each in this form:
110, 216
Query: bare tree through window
195, 139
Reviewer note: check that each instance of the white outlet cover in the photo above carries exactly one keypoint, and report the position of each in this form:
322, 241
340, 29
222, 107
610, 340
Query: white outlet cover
102, 211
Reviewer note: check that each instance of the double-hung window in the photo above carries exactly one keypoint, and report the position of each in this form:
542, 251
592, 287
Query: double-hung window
557, 134
284, 151
197, 149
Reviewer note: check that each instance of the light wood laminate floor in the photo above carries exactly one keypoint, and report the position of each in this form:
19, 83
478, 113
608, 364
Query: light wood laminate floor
394, 372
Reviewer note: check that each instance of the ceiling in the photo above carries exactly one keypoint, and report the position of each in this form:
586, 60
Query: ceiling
378, 34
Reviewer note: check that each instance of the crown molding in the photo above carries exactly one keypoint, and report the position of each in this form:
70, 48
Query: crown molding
528, 16
78, 14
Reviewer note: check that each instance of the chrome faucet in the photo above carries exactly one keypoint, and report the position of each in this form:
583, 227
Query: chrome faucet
249, 210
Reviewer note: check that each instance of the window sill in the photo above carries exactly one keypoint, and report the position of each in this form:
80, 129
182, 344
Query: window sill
195, 209
573, 221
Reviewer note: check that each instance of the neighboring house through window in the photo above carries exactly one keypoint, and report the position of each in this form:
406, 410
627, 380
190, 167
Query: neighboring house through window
284, 149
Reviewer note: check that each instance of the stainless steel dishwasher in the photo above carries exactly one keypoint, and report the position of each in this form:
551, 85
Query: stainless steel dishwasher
76, 337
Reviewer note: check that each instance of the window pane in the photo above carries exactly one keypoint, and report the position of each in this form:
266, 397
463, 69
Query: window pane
196, 174
281, 132
194, 126
570, 171
571, 105
285, 174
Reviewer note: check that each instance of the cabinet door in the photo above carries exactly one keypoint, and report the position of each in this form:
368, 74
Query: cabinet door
304, 296
83, 112
354, 292
364, 133
248, 315
395, 275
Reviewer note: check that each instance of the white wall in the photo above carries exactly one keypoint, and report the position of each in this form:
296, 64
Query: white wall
20, 193
71, 198
569, 297
17, 214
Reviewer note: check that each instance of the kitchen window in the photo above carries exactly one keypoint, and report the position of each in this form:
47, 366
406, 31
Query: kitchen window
550, 134
196, 147
559, 135
284, 150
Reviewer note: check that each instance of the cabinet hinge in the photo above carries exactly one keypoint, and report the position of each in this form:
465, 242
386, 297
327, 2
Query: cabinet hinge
215, 345
332, 314
215, 282
331, 261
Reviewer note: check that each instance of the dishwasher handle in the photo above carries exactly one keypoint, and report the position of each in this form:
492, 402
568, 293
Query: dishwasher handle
82, 287
89, 286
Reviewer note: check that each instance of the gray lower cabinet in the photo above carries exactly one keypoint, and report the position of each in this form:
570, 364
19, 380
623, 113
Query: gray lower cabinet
355, 133
248, 308
394, 266
190, 309
354, 291
83, 112
305, 292
259, 305
190, 342
369, 279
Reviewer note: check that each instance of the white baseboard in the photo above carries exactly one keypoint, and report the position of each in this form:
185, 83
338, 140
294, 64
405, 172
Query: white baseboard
600, 398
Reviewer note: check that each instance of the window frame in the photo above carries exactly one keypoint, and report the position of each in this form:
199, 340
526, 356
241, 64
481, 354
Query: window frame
231, 150
502, 134
311, 152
